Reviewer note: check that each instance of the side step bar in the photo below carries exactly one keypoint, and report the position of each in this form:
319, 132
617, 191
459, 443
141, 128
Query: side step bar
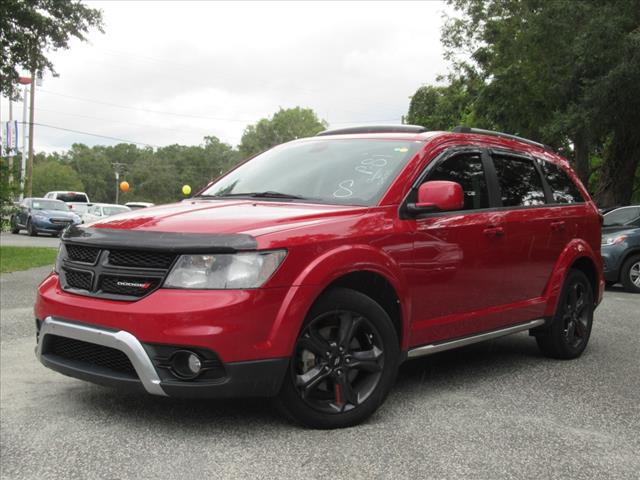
461, 342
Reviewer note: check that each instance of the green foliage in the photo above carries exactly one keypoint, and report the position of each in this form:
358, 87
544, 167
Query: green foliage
30, 29
562, 72
285, 125
52, 175
13, 259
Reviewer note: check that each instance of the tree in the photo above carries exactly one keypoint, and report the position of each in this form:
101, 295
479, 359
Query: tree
52, 175
285, 125
563, 72
29, 29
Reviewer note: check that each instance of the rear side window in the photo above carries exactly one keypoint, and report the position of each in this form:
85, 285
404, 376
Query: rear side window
562, 187
467, 170
72, 197
520, 183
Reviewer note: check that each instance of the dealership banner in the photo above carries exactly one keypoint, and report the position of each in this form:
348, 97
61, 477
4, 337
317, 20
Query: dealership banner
10, 138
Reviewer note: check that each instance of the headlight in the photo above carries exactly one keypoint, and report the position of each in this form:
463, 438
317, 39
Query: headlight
613, 239
224, 271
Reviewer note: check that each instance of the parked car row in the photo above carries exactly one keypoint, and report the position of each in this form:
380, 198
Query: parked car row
59, 209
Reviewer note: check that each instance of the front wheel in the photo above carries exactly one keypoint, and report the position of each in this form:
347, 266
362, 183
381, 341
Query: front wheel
569, 333
630, 274
344, 362
31, 230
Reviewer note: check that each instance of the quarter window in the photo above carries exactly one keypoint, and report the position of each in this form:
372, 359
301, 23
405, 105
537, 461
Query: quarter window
467, 170
562, 187
520, 183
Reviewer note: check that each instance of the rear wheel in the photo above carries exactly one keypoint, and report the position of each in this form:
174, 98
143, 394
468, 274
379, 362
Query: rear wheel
569, 333
630, 274
31, 230
344, 362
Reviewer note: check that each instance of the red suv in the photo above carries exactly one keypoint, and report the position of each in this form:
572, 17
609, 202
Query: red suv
312, 271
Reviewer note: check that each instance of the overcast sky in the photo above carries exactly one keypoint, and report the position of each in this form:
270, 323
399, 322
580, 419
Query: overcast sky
165, 72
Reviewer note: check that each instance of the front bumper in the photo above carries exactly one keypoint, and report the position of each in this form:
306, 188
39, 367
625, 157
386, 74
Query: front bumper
44, 225
241, 379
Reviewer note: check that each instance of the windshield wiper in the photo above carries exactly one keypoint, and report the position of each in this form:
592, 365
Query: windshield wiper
266, 194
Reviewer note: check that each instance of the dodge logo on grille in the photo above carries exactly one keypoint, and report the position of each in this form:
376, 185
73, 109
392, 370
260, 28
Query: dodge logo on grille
144, 285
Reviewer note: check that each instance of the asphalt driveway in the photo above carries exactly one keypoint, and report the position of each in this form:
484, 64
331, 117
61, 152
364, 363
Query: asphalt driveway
489, 411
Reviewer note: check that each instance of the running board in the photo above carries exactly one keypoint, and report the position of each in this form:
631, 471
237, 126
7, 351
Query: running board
461, 342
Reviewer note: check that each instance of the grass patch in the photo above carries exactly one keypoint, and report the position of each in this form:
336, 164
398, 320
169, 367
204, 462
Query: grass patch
13, 259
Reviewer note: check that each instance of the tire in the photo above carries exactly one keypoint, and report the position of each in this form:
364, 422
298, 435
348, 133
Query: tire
344, 362
570, 329
14, 225
31, 230
630, 274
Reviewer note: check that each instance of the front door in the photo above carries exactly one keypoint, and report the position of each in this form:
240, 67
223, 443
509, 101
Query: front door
455, 277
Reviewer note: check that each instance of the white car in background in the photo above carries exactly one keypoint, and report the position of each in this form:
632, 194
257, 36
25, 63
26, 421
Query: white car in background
98, 211
67, 196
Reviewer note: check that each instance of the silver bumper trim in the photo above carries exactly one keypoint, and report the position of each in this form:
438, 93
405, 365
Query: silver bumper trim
121, 340
461, 342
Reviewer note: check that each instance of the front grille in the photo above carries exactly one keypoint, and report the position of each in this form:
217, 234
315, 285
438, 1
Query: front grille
78, 279
132, 286
83, 254
61, 221
116, 274
90, 353
137, 258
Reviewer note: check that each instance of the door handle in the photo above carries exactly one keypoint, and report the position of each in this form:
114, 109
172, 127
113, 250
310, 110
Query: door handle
558, 226
493, 231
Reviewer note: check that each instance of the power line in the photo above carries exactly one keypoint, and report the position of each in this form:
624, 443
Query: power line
204, 117
95, 135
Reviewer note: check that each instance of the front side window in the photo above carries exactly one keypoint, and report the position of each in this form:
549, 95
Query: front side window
467, 170
562, 187
336, 171
520, 183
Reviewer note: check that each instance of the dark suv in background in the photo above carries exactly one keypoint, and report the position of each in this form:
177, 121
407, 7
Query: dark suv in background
621, 247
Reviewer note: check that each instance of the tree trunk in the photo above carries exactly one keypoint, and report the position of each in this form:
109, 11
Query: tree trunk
581, 158
615, 185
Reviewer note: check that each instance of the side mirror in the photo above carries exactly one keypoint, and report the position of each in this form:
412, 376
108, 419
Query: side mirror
438, 195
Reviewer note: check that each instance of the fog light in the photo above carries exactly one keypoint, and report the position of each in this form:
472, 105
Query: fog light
186, 365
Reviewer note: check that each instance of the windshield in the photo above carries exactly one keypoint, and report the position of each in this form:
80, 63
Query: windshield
114, 210
346, 171
622, 216
49, 205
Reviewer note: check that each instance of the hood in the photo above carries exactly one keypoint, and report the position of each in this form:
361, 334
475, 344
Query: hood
619, 229
55, 213
249, 217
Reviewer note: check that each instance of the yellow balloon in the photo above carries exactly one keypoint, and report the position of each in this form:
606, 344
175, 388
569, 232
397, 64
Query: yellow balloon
186, 190
124, 186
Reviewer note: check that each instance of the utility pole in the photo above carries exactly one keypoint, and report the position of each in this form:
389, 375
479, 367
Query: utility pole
23, 163
31, 104
118, 168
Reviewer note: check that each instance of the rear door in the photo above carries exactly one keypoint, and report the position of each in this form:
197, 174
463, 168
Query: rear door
535, 232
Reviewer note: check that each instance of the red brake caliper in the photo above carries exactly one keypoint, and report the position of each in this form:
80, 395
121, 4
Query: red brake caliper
337, 391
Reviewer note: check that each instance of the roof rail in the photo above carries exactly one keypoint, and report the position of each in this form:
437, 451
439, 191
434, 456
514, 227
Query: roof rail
375, 129
463, 129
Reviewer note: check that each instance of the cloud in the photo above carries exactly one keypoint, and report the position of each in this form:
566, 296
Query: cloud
218, 67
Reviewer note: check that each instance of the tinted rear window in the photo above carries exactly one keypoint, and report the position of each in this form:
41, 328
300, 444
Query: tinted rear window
72, 197
562, 187
520, 183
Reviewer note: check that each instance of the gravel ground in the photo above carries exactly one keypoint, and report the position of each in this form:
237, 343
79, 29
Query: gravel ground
489, 411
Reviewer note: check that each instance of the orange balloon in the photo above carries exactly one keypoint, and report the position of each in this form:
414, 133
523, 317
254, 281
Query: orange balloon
124, 186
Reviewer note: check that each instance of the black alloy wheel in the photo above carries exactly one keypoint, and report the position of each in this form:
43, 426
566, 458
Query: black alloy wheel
569, 333
343, 364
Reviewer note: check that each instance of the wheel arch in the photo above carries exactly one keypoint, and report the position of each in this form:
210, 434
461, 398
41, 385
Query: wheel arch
577, 254
363, 268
